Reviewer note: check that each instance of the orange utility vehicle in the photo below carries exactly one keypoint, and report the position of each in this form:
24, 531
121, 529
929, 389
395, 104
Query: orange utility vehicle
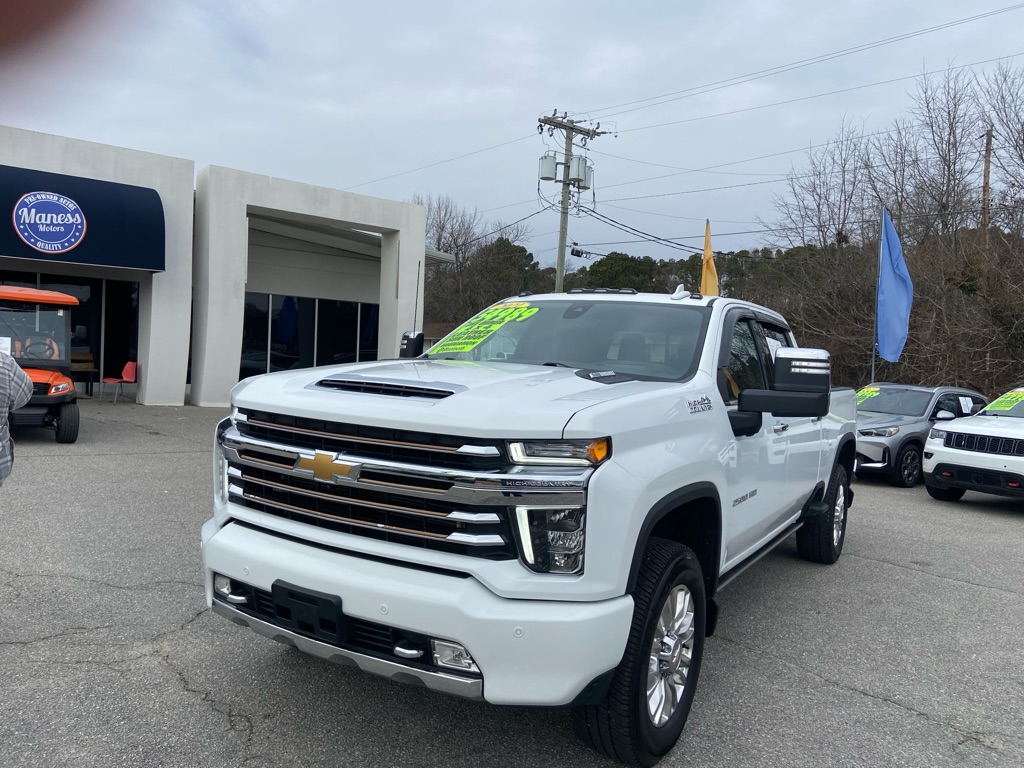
35, 329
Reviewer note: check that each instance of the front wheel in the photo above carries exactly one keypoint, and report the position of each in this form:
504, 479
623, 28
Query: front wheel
907, 472
650, 695
945, 494
821, 538
67, 423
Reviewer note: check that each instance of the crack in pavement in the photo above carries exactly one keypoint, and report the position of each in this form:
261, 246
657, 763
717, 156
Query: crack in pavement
935, 575
65, 633
239, 724
71, 577
981, 738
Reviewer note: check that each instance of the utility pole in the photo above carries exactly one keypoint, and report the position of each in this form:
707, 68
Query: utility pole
986, 190
571, 129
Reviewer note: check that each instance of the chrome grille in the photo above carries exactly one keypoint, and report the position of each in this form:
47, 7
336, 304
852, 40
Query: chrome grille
375, 514
301, 473
1004, 446
375, 442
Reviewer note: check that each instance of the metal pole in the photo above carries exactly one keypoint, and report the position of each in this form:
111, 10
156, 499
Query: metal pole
878, 280
563, 225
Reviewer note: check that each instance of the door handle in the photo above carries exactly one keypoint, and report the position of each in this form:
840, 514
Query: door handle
780, 428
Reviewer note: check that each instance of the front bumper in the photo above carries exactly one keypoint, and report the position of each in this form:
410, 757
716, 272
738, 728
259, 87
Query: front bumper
973, 471
529, 652
873, 455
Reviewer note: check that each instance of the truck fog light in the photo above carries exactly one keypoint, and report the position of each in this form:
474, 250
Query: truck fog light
453, 656
552, 539
222, 586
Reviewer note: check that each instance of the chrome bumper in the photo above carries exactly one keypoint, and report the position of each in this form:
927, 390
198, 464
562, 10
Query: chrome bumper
435, 681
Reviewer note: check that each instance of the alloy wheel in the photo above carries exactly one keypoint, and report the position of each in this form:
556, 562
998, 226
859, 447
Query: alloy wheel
671, 654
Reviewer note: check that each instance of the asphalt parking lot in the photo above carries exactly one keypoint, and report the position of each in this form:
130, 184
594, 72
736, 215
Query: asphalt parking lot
908, 652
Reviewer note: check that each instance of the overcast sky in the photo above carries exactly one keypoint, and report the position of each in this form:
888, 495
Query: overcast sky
346, 95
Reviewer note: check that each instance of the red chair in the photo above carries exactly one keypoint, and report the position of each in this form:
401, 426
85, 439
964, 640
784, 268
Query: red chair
127, 377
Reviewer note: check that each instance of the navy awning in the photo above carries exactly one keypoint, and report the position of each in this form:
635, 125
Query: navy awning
53, 217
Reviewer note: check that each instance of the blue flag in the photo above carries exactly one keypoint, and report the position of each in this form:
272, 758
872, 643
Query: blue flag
895, 294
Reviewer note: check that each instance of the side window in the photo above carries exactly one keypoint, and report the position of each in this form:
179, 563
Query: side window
775, 338
742, 370
947, 402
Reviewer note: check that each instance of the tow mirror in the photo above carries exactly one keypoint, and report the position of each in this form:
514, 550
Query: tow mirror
412, 344
802, 370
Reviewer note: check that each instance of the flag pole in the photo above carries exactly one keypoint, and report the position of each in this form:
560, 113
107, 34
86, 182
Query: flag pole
878, 281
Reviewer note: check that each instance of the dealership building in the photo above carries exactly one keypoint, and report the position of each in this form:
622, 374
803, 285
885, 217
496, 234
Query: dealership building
204, 278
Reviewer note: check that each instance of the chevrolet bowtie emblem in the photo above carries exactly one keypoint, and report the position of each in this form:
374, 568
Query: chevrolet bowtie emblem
325, 466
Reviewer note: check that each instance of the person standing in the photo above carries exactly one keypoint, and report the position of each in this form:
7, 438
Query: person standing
15, 391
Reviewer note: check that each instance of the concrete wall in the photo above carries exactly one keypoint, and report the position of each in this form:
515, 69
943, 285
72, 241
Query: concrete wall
224, 200
164, 297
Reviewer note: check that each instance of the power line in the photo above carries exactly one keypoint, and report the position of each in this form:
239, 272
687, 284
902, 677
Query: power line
905, 217
503, 228
818, 95
678, 168
440, 162
779, 69
633, 230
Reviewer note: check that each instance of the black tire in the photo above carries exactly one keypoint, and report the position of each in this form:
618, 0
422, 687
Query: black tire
622, 726
67, 423
821, 538
944, 494
907, 471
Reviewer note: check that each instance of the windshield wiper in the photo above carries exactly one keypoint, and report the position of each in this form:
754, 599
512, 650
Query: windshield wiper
557, 365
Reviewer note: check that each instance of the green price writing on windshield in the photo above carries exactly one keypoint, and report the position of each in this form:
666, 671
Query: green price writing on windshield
865, 393
1006, 402
477, 329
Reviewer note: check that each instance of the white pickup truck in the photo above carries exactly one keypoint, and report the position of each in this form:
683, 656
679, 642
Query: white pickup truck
541, 509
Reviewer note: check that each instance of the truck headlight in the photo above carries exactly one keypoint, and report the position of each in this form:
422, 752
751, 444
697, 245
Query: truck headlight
551, 539
576, 453
879, 432
937, 434
56, 389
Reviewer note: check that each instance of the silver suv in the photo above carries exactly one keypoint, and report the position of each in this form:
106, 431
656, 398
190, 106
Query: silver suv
893, 421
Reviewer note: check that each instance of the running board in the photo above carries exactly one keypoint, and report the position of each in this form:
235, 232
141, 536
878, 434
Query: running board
727, 578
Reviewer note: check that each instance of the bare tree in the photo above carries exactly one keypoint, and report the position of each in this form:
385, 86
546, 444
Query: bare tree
944, 178
822, 203
1002, 104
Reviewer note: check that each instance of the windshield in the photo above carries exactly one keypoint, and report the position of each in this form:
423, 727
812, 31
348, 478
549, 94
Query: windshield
1010, 404
33, 332
640, 340
894, 400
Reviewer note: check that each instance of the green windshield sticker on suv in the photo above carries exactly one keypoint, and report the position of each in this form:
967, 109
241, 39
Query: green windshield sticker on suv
478, 329
865, 393
1006, 402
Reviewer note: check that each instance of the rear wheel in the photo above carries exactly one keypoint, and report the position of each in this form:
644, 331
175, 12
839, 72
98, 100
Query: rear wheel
907, 473
650, 695
945, 494
67, 423
821, 538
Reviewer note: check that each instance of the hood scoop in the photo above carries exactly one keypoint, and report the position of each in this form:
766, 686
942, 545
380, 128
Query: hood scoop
384, 388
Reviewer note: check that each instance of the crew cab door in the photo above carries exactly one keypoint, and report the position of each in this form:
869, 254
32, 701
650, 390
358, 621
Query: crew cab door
755, 464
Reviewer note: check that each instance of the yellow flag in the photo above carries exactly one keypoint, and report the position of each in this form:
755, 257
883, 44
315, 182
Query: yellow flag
708, 273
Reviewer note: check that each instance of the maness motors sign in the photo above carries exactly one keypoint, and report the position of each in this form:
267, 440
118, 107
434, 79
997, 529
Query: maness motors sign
49, 222
78, 220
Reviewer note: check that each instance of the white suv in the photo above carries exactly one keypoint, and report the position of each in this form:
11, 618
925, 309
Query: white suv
980, 453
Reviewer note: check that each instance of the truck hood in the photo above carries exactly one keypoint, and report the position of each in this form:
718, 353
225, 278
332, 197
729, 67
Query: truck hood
999, 426
447, 396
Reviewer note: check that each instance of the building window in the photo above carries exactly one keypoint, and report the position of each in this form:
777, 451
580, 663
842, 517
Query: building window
285, 332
